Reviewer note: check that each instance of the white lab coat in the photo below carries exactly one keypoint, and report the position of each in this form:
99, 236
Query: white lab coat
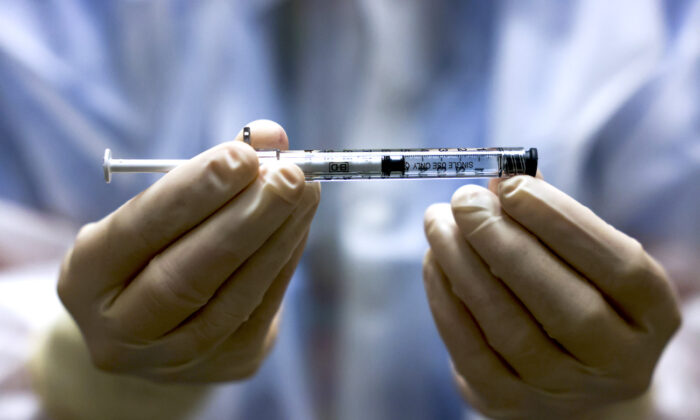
607, 91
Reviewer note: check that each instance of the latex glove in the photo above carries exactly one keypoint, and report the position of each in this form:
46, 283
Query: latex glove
546, 310
184, 281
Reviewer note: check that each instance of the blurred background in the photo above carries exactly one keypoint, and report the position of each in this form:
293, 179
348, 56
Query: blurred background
609, 92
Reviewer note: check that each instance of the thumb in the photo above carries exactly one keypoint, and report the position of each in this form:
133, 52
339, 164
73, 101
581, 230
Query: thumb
265, 134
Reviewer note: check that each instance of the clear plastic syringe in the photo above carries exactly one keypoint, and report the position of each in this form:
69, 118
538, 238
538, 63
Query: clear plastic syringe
345, 165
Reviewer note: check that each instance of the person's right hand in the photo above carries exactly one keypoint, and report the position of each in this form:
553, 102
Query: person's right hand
184, 281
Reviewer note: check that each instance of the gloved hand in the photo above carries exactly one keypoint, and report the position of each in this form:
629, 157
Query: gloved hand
546, 310
184, 281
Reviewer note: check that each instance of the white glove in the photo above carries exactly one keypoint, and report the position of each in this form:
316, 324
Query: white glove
546, 310
184, 281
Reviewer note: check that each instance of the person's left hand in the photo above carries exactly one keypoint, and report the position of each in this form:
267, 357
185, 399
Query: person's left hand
546, 310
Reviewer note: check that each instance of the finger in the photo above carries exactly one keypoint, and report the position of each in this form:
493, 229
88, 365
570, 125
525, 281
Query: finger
118, 246
569, 308
265, 134
183, 277
127, 239
239, 355
614, 262
255, 338
507, 326
249, 287
470, 353
262, 317
495, 182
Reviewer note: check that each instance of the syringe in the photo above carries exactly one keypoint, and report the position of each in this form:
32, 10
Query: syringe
345, 165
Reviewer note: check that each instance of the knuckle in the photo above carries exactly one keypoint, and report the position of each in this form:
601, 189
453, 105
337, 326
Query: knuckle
233, 163
240, 305
84, 242
85, 234
285, 180
313, 192
635, 264
637, 272
433, 212
429, 219
434, 220
464, 194
208, 332
675, 319
428, 260
511, 191
64, 286
242, 155
247, 157
212, 327
515, 344
591, 317
431, 271
169, 289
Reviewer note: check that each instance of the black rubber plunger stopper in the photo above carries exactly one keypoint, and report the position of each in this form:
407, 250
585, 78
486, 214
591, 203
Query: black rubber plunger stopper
531, 162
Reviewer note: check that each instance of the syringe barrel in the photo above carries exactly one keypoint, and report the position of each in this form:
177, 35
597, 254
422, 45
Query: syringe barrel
329, 165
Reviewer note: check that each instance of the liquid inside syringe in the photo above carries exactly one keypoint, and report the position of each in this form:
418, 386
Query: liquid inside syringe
330, 165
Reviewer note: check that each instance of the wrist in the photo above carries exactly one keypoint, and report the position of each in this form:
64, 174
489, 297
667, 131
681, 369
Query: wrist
71, 387
637, 408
